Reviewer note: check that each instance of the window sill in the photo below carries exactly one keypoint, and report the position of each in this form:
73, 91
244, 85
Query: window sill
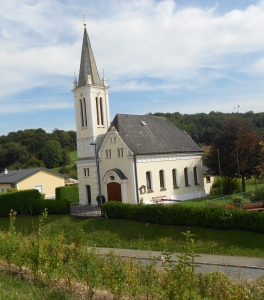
187, 185
176, 187
163, 189
149, 191
197, 183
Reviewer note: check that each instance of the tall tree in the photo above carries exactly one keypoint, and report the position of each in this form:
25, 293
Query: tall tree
240, 151
52, 154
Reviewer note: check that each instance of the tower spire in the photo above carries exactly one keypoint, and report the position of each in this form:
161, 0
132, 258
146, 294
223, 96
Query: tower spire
88, 65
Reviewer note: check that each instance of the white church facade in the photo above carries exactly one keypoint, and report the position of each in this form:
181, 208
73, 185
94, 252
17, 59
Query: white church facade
140, 157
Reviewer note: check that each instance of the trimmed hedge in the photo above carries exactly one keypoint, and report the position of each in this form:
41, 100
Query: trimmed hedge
29, 202
176, 214
17, 201
70, 193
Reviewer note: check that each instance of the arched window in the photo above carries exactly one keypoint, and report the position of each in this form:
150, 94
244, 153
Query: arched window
106, 153
85, 113
101, 111
148, 181
186, 178
161, 178
195, 176
174, 178
81, 112
97, 111
118, 152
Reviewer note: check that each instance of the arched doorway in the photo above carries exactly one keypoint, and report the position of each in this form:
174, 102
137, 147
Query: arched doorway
114, 192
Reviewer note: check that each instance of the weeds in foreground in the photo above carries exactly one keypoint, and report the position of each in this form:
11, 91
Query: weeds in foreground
78, 273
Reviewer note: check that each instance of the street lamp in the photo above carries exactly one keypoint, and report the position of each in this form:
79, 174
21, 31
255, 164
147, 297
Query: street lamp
98, 173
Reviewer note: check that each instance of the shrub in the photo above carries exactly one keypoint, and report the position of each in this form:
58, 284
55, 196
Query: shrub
177, 214
19, 201
237, 199
70, 193
258, 194
98, 199
229, 186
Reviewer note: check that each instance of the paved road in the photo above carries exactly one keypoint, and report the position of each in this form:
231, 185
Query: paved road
250, 267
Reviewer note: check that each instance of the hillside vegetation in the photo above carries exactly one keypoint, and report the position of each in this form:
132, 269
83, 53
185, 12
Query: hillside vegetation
203, 127
36, 148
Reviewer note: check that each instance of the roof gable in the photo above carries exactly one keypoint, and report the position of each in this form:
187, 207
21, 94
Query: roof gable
151, 134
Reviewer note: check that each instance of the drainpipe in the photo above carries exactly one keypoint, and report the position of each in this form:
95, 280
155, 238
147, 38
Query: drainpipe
136, 178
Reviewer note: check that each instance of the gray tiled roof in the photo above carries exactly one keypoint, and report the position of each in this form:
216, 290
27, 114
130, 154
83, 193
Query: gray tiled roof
151, 134
88, 65
15, 176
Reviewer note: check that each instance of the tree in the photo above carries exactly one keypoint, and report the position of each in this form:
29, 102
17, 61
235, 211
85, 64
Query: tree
234, 141
52, 154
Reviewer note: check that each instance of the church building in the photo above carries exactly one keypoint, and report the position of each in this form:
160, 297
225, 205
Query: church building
134, 158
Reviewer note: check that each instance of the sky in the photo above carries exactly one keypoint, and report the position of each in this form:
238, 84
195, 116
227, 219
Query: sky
187, 56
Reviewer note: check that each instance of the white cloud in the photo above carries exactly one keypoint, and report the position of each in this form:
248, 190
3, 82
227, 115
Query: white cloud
141, 44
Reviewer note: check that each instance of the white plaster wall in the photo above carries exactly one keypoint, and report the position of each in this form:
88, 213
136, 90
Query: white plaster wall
207, 186
168, 162
125, 164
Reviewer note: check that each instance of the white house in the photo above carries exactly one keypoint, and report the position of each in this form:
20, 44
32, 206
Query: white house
139, 157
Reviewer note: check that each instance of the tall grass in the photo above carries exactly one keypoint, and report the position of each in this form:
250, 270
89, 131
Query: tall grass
77, 273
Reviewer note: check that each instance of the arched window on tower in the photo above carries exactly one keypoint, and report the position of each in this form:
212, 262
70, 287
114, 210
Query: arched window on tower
85, 113
101, 111
81, 112
97, 111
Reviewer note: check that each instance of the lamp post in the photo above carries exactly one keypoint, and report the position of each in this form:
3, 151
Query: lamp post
98, 173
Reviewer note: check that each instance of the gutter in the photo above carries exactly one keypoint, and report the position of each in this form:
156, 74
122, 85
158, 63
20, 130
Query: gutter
136, 178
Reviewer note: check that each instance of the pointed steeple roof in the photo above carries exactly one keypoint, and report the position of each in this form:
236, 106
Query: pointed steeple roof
88, 65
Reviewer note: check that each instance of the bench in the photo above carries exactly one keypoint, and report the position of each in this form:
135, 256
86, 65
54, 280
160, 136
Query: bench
258, 206
159, 199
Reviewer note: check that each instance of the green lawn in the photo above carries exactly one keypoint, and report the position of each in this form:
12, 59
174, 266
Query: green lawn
140, 235
73, 156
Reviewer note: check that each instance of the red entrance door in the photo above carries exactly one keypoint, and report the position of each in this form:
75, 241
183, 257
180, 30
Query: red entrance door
114, 192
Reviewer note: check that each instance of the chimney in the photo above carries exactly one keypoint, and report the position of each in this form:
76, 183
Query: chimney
6, 171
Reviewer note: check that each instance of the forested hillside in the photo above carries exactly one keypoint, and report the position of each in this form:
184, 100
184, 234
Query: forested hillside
203, 127
35, 148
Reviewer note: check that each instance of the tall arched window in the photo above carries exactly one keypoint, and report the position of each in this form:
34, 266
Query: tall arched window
106, 153
97, 111
85, 113
174, 178
81, 112
195, 175
101, 111
161, 178
186, 178
148, 181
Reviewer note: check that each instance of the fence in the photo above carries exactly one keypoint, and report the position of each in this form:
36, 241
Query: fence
226, 199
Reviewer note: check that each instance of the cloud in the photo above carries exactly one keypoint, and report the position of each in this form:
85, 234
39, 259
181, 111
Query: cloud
142, 45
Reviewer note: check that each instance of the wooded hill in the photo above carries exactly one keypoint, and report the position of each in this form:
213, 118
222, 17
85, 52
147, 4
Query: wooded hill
203, 127
35, 148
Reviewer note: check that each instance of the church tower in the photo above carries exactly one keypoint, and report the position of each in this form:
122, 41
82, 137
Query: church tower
90, 102
92, 118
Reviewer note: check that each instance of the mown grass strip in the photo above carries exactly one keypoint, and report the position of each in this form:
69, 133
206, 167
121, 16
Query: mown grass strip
139, 235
